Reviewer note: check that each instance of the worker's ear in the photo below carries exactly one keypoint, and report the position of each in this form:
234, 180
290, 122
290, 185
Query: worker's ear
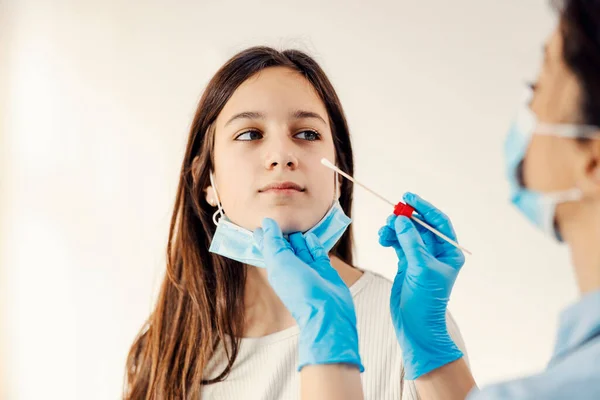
588, 169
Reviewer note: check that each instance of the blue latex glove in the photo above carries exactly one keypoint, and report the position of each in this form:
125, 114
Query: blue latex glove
427, 269
302, 276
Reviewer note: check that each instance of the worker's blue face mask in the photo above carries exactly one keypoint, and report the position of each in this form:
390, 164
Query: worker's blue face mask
237, 243
538, 207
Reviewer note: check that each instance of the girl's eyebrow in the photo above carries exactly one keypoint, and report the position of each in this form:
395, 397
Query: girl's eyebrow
298, 114
246, 115
302, 114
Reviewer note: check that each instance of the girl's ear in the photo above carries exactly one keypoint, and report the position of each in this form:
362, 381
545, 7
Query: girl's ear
210, 196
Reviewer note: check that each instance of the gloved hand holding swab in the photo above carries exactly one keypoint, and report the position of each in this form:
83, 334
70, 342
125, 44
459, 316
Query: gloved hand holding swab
399, 209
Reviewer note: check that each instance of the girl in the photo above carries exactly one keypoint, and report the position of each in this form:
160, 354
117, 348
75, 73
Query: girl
219, 329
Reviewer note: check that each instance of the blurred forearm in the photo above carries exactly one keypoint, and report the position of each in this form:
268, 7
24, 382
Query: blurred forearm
453, 381
330, 382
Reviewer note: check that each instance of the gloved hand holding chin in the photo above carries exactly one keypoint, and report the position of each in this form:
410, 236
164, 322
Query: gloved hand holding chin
300, 272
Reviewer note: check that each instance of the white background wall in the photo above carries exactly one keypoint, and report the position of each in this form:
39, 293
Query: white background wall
96, 101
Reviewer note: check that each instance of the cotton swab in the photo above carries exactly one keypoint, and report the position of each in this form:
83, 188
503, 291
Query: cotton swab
399, 209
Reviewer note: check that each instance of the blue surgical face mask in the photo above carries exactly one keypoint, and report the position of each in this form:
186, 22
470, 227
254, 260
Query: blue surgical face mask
237, 243
538, 207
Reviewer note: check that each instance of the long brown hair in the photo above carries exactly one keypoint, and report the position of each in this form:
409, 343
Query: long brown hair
200, 303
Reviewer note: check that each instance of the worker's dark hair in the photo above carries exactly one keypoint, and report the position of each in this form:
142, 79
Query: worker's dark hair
580, 30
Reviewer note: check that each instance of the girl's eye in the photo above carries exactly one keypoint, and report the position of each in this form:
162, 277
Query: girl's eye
308, 135
248, 136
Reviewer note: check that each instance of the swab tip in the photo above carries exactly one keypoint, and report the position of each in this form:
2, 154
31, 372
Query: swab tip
327, 163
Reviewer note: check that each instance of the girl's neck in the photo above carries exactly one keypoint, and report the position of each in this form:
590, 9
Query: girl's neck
264, 312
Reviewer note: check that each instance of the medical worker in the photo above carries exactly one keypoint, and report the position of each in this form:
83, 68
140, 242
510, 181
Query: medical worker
553, 163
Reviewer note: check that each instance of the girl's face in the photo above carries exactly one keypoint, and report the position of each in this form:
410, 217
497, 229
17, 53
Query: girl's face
269, 141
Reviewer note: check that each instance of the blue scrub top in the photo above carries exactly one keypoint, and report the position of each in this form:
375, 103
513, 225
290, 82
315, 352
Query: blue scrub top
573, 371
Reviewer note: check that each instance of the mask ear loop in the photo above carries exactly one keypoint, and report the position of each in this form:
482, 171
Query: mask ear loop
220, 209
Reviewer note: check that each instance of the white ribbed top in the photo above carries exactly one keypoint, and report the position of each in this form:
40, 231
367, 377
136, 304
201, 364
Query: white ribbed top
266, 367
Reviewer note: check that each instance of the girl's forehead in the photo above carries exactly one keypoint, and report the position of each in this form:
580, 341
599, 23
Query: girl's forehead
273, 90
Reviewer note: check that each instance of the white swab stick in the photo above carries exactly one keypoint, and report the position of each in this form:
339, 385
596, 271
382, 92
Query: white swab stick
440, 234
330, 165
